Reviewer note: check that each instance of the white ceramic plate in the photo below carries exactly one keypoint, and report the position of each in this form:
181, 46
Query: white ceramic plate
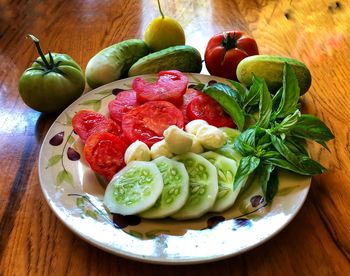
75, 194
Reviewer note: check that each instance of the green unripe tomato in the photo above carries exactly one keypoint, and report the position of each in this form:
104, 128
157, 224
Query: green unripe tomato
52, 83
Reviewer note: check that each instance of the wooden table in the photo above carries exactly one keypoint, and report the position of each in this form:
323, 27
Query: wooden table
34, 242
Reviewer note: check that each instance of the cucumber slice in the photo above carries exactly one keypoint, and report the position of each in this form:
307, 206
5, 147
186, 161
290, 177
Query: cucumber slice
134, 188
227, 149
203, 186
175, 190
226, 169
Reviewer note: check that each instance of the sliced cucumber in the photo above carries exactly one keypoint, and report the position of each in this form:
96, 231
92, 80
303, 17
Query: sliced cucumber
175, 191
226, 169
134, 189
227, 149
203, 186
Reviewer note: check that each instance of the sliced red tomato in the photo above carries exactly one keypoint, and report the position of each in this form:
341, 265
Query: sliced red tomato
187, 98
205, 108
123, 102
170, 86
104, 152
87, 122
147, 122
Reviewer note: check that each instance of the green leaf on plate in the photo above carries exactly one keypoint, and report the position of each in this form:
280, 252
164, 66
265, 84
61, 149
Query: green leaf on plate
246, 166
96, 106
89, 102
64, 176
68, 119
91, 214
54, 160
105, 92
80, 203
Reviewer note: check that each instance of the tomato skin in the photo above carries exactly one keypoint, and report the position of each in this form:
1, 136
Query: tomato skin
170, 86
52, 82
87, 122
123, 103
205, 108
225, 50
104, 152
148, 121
187, 98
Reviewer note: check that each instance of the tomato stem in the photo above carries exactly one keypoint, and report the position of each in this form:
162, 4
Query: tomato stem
229, 41
41, 54
160, 9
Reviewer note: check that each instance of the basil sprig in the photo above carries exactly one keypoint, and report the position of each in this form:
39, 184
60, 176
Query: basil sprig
274, 132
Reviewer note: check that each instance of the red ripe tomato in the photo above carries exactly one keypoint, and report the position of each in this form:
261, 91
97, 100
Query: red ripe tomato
170, 86
205, 108
147, 122
123, 102
87, 122
187, 98
225, 50
104, 152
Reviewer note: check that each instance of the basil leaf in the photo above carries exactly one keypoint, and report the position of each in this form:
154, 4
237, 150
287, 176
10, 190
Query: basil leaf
268, 179
312, 128
290, 94
198, 86
224, 95
253, 96
300, 162
288, 122
282, 163
265, 104
296, 145
271, 154
241, 90
246, 166
245, 142
277, 99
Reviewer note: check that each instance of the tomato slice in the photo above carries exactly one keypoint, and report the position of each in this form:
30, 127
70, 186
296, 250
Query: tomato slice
170, 86
87, 122
123, 103
104, 152
187, 98
205, 108
148, 121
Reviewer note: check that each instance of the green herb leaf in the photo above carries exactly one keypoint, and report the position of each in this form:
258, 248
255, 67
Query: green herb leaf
225, 96
246, 166
253, 96
245, 142
290, 94
312, 128
283, 163
265, 104
241, 90
268, 178
277, 99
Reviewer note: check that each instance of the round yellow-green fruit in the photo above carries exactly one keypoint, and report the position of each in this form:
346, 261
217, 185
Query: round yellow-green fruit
164, 32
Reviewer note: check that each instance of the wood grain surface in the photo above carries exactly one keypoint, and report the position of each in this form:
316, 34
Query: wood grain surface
34, 242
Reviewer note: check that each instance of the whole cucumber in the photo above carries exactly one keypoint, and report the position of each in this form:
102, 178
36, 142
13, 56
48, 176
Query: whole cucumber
182, 57
271, 69
113, 62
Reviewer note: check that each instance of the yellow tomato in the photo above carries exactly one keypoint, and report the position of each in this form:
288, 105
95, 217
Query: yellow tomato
163, 32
